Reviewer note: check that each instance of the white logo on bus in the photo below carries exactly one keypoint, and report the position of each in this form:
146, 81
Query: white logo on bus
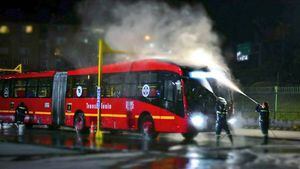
146, 90
79, 91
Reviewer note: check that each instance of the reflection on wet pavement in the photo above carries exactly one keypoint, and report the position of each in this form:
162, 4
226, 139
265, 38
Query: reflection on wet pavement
168, 151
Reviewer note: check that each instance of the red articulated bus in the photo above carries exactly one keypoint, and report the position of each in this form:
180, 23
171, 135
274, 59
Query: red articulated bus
150, 96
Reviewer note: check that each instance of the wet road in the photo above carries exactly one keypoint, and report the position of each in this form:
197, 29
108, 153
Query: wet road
130, 150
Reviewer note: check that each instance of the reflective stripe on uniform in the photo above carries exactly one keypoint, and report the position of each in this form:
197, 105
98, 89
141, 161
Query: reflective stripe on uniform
219, 112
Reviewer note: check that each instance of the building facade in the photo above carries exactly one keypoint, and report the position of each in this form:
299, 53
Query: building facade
40, 47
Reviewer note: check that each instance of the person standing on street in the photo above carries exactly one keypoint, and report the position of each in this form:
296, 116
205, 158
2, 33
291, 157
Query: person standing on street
263, 110
21, 111
221, 122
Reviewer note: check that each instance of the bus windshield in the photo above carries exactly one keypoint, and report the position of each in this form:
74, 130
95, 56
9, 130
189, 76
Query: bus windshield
199, 99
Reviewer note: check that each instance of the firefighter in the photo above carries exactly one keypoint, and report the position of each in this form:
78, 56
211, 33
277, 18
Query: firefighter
263, 110
21, 111
221, 122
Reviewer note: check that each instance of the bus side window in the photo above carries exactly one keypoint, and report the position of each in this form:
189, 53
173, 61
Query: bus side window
69, 92
172, 93
80, 85
131, 87
19, 88
92, 87
7, 90
116, 83
44, 88
169, 90
1, 87
178, 94
31, 88
105, 86
148, 79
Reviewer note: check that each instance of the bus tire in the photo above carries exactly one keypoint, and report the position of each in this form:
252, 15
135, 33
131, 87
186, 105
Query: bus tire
28, 126
147, 128
115, 132
79, 122
53, 127
190, 135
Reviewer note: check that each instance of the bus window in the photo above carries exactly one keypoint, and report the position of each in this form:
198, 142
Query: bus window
1, 87
198, 98
130, 87
80, 85
44, 88
19, 88
69, 93
172, 93
149, 88
104, 86
148, 77
178, 93
31, 88
169, 90
115, 85
6, 92
92, 86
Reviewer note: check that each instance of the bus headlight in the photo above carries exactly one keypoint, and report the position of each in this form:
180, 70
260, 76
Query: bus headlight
199, 120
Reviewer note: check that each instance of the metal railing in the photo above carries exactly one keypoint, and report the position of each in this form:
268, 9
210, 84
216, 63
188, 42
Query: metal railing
284, 102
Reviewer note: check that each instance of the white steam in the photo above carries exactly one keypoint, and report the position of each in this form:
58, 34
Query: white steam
184, 35
155, 30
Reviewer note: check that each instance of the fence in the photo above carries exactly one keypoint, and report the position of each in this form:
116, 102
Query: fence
284, 102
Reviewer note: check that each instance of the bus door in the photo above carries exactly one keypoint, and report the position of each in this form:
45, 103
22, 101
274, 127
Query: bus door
130, 88
172, 99
58, 98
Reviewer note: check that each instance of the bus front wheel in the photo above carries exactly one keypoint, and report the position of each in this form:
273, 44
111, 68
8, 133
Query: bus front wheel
189, 135
79, 122
147, 127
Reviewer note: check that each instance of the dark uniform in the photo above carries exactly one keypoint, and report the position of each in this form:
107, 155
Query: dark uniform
221, 122
263, 111
21, 111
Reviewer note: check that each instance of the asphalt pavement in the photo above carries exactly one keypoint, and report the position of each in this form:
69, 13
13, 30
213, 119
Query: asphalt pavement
273, 134
61, 149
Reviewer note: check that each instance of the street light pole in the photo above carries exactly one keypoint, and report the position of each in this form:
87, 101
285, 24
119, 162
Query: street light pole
102, 48
99, 134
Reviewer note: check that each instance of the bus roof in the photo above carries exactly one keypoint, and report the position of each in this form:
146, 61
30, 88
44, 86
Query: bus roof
134, 66
28, 75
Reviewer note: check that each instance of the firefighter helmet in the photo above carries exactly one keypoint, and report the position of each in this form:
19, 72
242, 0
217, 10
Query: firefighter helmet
222, 101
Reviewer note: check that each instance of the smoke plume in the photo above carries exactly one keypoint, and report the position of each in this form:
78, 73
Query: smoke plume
147, 29
154, 29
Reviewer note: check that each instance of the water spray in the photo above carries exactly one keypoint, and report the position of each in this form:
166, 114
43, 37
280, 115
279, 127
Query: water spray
251, 99
220, 77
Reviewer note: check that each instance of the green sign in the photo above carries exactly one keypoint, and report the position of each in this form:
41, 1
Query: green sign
243, 52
